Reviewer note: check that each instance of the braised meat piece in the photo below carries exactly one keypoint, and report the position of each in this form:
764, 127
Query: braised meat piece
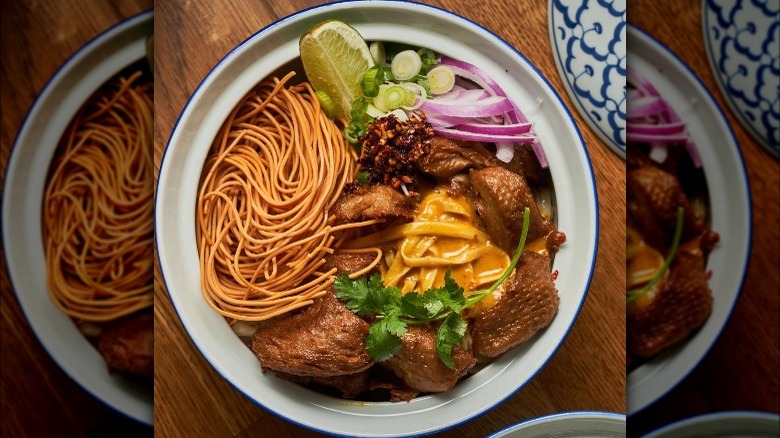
128, 344
325, 340
420, 368
502, 196
449, 157
525, 163
529, 304
653, 196
359, 202
657, 320
346, 262
350, 385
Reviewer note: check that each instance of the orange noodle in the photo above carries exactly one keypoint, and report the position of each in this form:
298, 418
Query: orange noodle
276, 167
98, 206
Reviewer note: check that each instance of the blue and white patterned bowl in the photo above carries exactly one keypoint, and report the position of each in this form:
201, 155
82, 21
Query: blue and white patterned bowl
743, 45
589, 43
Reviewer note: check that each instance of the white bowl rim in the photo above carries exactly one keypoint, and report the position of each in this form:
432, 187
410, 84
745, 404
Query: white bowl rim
581, 144
714, 416
68, 63
607, 415
632, 28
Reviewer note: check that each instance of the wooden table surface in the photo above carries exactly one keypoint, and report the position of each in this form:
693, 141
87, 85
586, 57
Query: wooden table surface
38, 398
587, 373
741, 370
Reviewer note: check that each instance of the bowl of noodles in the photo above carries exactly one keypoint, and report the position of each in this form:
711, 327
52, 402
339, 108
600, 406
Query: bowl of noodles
192, 233
66, 209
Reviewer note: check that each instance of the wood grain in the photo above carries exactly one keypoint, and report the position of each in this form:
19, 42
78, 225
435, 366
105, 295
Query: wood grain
38, 398
587, 373
741, 370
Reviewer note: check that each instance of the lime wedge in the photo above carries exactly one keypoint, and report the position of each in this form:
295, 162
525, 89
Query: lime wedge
335, 56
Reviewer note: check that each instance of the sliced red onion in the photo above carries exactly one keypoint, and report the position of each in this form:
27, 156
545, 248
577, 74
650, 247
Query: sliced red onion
483, 128
486, 107
660, 129
463, 95
646, 101
488, 138
481, 78
505, 151
646, 106
659, 152
656, 138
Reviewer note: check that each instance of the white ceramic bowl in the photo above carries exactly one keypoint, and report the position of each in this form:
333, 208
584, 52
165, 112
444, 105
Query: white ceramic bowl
568, 424
50, 114
730, 210
277, 45
730, 424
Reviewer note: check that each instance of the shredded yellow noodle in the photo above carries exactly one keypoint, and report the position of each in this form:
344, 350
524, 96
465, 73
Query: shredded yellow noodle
276, 167
98, 206
444, 235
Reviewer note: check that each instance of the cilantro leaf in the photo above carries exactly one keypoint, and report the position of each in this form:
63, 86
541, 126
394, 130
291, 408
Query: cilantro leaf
384, 337
450, 334
448, 297
381, 299
413, 306
352, 293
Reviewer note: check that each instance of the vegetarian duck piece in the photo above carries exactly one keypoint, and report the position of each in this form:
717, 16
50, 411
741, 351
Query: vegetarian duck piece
528, 304
359, 202
420, 368
325, 340
653, 197
502, 197
127, 344
346, 263
349, 385
450, 157
682, 304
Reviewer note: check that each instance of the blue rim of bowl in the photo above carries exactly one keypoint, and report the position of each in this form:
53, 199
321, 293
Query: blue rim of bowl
95, 40
278, 22
734, 141
561, 415
712, 416
757, 136
592, 124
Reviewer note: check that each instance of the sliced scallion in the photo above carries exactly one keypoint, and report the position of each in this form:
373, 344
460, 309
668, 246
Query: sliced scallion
370, 82
441, 79
406, 65
326, 103
395, 96
377, 50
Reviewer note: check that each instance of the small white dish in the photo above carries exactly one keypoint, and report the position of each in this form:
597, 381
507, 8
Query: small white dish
44, 125
568, 424
277, 45
743, 40
589, 47
730, 210
730, 424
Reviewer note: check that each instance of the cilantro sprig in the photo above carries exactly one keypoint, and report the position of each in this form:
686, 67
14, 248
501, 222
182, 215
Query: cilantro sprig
392, 311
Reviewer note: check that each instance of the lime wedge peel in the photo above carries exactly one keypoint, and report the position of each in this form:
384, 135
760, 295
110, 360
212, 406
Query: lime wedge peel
335, 56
